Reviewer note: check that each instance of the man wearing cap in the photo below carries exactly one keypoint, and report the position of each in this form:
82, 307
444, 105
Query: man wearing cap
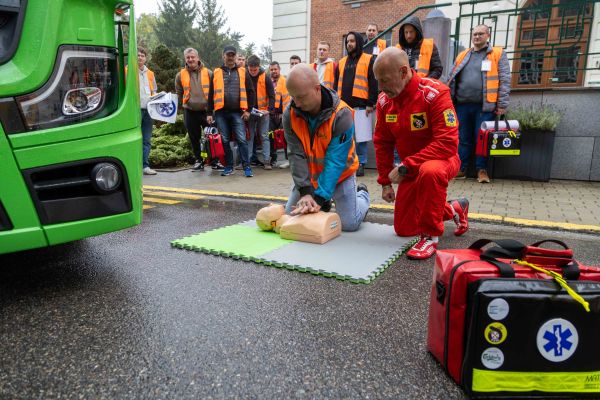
233, 98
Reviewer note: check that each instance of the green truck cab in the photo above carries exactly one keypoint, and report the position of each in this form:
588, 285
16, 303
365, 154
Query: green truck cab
70, 138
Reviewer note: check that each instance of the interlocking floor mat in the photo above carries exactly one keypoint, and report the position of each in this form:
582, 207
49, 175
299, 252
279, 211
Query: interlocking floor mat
357, 257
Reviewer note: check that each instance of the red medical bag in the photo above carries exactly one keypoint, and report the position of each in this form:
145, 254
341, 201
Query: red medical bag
278, 139
491, 321
212, 146
498, 139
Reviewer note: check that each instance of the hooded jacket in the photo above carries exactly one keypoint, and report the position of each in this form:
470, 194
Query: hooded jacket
414, 50
350, 72
338, 148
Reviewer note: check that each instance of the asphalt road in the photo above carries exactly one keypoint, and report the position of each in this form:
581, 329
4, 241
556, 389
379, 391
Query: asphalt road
125, 316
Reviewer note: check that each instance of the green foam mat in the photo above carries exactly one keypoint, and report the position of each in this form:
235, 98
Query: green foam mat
357, 257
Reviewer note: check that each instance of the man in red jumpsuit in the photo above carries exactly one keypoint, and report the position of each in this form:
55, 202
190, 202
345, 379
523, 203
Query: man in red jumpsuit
415, 115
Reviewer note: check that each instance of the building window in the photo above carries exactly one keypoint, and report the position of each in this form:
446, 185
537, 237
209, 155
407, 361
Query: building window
548, 47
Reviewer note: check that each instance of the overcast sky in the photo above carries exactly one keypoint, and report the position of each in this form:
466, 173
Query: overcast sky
252, 18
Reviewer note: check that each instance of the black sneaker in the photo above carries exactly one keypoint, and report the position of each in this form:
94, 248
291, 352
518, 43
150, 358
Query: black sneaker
198, 166
361, 170
257, 163
218, 166
362, 187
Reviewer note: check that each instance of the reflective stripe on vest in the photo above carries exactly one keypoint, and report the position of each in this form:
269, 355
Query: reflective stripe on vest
315, 154
491, 76
184, 75
425, 57
282, 97
381, 45
328, 75
361, 77
219, 89
262, 99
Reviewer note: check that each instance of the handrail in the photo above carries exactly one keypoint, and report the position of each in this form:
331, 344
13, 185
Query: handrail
419, 8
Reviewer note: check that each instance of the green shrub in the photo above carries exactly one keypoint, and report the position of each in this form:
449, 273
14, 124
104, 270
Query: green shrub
544, 118
170, 146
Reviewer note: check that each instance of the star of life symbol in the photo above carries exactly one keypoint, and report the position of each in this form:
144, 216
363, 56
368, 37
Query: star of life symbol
167, 109
557, 340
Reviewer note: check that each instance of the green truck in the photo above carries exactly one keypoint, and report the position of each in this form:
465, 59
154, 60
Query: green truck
70, 138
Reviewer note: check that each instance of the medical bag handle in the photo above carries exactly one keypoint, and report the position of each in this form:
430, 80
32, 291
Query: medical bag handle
497, 119
512, 249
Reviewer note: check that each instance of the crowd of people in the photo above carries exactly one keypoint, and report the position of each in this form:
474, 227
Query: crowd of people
423, 131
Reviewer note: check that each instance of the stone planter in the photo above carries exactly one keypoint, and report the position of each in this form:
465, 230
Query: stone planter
533, 164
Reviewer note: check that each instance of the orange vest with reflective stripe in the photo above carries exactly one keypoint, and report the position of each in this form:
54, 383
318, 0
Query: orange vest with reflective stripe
261, 92
185, 83
361, 77
425, 53
150, 76
282, 97
328, 75
381, 45
492, 78
315, 154
219, 89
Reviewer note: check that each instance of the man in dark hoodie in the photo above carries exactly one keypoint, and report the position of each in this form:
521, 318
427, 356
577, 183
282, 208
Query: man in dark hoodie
265, 103
356, 85
422, 53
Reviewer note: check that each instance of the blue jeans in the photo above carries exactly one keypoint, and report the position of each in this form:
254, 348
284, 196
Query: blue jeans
470, 118
259, 126
350, 205
146, 136
229, 122
362, 152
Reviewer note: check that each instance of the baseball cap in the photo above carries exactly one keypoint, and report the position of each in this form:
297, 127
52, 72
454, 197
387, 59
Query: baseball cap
229, 49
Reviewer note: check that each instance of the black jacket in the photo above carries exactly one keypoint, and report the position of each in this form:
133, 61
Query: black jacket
231, 83
413, 50
350, 73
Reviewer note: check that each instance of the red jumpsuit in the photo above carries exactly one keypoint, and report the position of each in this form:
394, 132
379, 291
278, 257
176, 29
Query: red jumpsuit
421, 124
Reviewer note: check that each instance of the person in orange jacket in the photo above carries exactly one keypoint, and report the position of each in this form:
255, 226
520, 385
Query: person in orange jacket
415, 116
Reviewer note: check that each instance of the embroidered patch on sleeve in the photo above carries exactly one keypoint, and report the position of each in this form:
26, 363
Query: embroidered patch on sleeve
450, 117
391, 117
418, 121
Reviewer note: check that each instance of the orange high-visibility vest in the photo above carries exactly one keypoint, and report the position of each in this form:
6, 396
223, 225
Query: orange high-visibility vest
425, 53
361, 77
150, 76
381, 45
261, 92
315, 154
328, 75
185, 83
492, 78
282, 97
219, 89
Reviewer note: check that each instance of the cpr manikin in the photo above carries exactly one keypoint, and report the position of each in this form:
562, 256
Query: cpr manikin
318, 227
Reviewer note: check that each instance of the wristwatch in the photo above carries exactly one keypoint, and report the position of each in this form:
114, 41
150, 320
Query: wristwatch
402, 170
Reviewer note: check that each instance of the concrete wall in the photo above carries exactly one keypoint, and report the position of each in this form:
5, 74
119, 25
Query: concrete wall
291, 31
577, 143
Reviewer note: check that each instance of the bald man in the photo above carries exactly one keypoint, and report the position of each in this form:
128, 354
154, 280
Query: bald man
415, 116
319, 130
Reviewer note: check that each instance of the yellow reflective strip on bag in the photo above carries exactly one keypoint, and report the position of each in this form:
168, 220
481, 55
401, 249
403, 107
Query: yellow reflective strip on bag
514, 152
549, 382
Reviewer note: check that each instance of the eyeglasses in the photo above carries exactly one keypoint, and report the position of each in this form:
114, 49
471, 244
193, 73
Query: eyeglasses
479, 33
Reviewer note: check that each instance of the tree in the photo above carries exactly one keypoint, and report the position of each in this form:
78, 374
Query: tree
165, 65
249, 50
175, 27
266, 53
146, 31
212, 34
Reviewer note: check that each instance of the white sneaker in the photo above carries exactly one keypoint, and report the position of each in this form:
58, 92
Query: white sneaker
285, 164
149, 171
